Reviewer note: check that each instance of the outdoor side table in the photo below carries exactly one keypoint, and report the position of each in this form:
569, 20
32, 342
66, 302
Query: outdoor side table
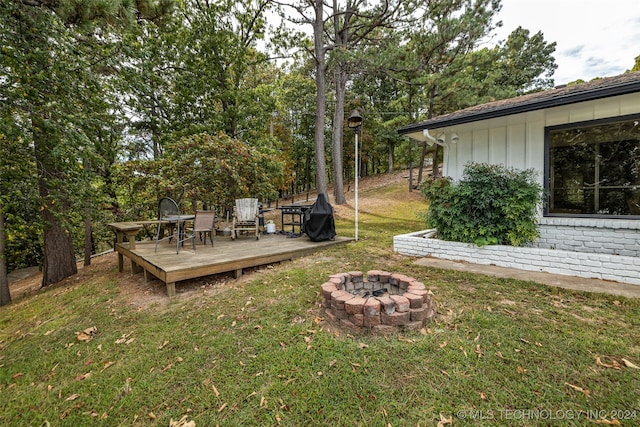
128, 230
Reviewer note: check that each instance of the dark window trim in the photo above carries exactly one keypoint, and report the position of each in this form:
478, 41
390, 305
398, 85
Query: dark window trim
547, 166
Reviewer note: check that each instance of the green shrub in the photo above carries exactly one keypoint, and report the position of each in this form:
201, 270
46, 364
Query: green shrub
491, 204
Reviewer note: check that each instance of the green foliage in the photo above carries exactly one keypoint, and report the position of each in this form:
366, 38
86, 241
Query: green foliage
491, 204
18, 200
636, 65
205, 170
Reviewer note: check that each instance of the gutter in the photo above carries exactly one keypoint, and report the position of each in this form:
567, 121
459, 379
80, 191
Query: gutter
552, 100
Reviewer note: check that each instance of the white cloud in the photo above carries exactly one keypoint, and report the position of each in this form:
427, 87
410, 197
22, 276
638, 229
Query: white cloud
595, 38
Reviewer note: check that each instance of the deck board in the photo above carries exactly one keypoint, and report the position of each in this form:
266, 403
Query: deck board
225, 256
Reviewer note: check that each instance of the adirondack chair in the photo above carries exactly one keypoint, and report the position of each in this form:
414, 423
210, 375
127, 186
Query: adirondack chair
245, 217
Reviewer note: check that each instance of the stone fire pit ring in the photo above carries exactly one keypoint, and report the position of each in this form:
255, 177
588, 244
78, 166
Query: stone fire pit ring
379, 302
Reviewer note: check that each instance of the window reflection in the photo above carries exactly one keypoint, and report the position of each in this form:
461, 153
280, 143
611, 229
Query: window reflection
594, 169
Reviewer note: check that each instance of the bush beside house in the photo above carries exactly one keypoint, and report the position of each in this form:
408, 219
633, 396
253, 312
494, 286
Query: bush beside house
491, 204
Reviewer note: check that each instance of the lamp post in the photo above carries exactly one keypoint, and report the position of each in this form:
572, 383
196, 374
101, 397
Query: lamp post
354, 122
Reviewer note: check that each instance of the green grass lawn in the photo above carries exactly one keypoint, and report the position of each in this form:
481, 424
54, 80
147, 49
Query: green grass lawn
258, 353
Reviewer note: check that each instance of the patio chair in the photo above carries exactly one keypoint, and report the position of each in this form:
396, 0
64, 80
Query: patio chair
169, 213
245, 217
204, 223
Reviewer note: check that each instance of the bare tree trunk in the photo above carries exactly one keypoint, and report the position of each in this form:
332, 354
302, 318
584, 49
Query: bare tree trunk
341, 34
307, 173
88, 246
390, 159
338, 125
321, 100
5, 296
435, 167
87, 223
410, 168
59, 259
423, 156
433, 94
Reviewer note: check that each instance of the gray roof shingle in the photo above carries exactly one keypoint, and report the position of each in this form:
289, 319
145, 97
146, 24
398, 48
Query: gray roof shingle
595, 89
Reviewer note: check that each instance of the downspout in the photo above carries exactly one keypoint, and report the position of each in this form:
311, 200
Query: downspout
430, 139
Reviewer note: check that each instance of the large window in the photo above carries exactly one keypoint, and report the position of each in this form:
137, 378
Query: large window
593, 168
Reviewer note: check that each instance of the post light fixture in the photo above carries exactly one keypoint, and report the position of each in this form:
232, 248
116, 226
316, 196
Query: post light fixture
354, 122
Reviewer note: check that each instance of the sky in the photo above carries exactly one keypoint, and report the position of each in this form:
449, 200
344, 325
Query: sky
595, 38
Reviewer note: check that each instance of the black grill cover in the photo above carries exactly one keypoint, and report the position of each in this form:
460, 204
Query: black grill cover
318, 220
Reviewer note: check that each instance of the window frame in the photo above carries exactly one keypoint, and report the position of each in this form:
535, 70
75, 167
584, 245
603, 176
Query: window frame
547, 164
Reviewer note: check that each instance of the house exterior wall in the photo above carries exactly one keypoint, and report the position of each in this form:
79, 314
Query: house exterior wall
518, 140
599, 248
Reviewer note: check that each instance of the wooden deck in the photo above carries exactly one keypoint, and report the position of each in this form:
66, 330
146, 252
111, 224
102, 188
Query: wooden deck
225, 256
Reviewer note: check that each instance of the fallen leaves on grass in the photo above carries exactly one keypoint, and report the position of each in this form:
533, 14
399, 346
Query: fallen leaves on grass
605, 421
125, 339
444, 421
579, 389
87, 334
72, 397
107, 365
479, 351
308, 341
81, 377
629, 364
182, 422
613, 365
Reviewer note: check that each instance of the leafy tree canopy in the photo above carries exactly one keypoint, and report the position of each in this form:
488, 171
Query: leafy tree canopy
209, 170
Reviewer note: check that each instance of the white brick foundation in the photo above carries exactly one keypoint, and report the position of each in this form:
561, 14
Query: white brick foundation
603, 236
596, 265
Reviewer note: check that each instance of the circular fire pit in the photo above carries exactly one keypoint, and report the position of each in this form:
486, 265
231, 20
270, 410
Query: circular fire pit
379, 301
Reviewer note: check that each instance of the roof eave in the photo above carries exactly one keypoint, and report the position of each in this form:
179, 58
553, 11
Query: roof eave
571, 98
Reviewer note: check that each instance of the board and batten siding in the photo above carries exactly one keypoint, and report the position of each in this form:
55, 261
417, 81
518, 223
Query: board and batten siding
518, 140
